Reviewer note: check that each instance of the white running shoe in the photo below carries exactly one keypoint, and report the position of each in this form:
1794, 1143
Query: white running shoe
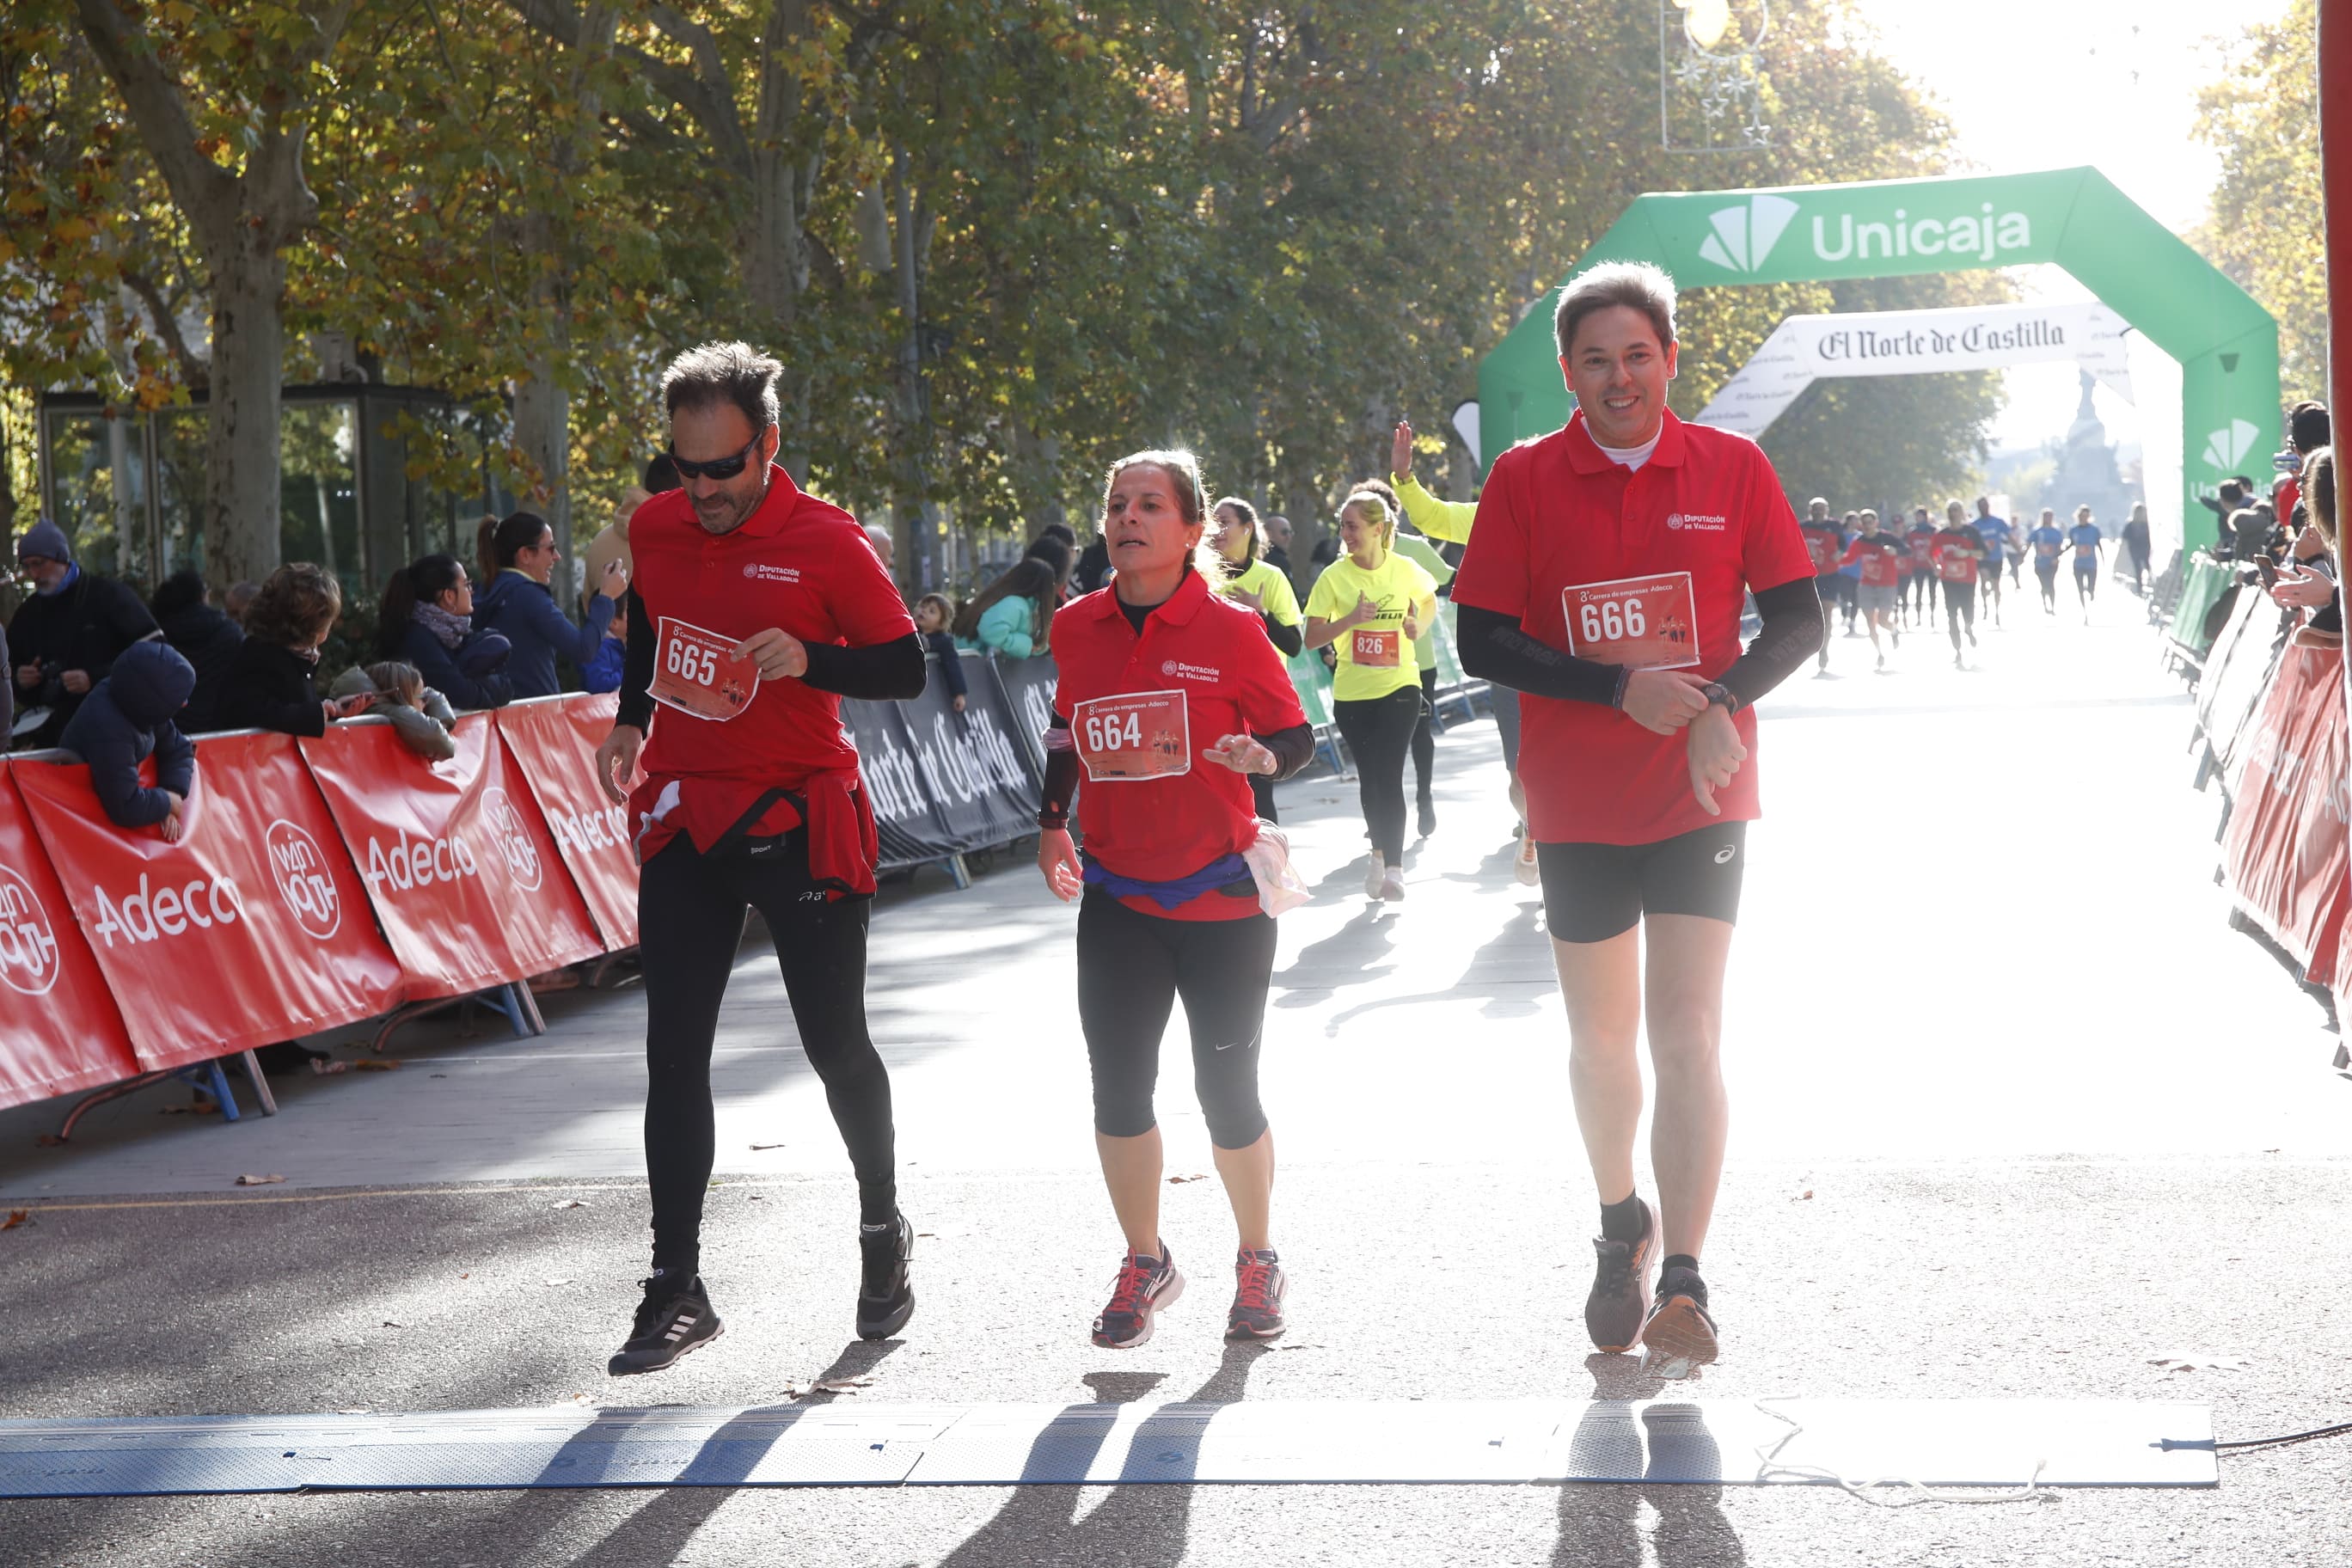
1392, 884
1375, 879
1524, 865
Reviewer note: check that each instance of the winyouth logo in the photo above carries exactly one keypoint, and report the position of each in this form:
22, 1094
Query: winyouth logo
1744, 236
516, 847
299, 870
2227, 448
28, 944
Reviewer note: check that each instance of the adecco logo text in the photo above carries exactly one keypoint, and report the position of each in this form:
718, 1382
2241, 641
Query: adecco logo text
417, 863
145, 916
28, 944
516, 847
1746, 235
598, 827
301, 872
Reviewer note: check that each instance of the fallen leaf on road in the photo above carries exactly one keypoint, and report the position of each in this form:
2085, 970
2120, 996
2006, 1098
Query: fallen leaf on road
258, 1181
2200, 1363
16, 1217
1195, 1176
390, 1323
1804, 1196
842, 1384
571, 1203
375, 1064
767, 1146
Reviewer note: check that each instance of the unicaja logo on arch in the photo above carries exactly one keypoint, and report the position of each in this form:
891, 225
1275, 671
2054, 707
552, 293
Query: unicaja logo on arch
1743, 237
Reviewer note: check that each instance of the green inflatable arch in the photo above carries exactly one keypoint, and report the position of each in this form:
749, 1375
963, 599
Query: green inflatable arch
2225, 346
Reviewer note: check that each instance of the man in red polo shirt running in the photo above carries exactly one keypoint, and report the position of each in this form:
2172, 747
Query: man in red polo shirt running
1588, 539
754, 610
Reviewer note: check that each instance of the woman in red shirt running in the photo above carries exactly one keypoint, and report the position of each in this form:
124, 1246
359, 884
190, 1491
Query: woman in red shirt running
1170, 699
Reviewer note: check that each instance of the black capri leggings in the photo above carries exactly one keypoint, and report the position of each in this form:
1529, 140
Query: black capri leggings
690, 913
1424, 737
1379, 729
1131, 968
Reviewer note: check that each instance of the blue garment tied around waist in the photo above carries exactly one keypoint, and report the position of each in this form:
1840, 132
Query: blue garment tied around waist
1222, 872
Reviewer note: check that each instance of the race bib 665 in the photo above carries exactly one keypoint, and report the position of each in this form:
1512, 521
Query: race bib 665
1135, 735
696, 671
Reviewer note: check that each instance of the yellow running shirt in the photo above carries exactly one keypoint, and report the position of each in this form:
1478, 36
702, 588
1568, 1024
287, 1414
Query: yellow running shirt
1376, 657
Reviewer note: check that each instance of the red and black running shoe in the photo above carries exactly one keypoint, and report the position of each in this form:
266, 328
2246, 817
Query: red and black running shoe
1144, 1285
1679, 1337
1259, 1286
1620, 1298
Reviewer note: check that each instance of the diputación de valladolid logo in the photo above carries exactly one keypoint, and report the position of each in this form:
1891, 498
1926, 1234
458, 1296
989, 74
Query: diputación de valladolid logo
1743, 236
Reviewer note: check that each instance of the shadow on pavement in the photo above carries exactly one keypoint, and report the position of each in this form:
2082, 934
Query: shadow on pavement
1601, 1523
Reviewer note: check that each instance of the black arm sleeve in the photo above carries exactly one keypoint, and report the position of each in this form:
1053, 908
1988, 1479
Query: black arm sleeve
1293, 748
1791, 634
883, 672
1493, 648
1061, 774
1288, 640
638, 669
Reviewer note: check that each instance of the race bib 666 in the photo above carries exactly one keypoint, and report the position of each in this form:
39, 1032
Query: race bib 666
1135, 735
1636, 623
695, 671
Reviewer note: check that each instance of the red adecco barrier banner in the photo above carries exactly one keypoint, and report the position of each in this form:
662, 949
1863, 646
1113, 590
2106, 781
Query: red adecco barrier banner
252, 927
60, 1030
554, 741
2286, 849
457, 861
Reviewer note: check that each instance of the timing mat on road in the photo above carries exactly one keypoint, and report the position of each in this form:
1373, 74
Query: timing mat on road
1955, 1442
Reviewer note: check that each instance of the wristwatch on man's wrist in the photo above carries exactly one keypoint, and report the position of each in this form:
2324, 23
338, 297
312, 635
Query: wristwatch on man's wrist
1720, 695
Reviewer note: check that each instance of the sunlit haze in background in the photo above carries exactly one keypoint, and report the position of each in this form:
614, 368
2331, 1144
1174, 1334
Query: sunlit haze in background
2046, 84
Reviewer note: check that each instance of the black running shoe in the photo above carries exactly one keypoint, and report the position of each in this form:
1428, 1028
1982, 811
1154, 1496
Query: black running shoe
1426, 823
1259, 1286
1145, 1284
885, 1297
1620, 1288
1679, 1337
672, 1319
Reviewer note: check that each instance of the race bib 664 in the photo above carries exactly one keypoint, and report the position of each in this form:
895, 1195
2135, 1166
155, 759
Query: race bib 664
1134, 735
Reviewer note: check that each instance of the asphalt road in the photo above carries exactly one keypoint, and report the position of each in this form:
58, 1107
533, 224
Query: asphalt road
2015, 1115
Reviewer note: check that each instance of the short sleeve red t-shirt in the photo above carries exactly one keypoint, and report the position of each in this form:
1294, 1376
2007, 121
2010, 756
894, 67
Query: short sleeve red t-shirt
1208, 665
1557, 513
798, 563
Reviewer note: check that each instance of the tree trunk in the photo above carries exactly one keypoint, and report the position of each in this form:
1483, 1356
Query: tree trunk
241, 454
542, 434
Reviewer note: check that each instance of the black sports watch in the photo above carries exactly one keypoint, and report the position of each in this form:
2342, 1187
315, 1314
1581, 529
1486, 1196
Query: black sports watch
1720, 695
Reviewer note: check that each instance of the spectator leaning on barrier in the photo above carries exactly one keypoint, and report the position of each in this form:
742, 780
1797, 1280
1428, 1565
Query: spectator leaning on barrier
67, 634
273, 684
934, 613
202, 635
426, 620
127, 718
2309, 579
1008, 617
419, 715
603, 673
518, 557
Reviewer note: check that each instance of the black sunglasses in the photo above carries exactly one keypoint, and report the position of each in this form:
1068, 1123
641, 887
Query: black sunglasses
717, 467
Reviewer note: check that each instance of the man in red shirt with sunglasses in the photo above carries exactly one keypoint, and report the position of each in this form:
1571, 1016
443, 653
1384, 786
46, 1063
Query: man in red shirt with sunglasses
754, 610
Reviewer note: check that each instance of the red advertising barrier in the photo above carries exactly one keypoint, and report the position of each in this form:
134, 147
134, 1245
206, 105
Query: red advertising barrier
251, 928
455, 856
63, 1030
2285, 853
554, 743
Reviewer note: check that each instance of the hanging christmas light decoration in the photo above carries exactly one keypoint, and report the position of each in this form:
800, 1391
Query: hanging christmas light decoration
1711, 75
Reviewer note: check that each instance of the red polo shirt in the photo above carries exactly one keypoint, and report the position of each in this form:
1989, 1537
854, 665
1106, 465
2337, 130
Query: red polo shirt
798, 563
1556, 512
1214, 653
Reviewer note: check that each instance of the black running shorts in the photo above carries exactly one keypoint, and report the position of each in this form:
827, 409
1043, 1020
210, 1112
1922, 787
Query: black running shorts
1594, 891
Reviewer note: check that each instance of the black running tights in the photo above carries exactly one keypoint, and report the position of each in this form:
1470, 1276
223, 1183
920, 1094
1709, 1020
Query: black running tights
1378, 730
1132, 969
691, 915
1424, 737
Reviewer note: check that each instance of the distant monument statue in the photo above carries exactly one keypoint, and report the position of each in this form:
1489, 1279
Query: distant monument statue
2086, 474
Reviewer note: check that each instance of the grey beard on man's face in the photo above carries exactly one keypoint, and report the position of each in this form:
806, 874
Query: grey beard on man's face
719, 525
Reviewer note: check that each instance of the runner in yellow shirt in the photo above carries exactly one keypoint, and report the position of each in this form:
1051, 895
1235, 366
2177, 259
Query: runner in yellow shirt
1371, 603
1252, 580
